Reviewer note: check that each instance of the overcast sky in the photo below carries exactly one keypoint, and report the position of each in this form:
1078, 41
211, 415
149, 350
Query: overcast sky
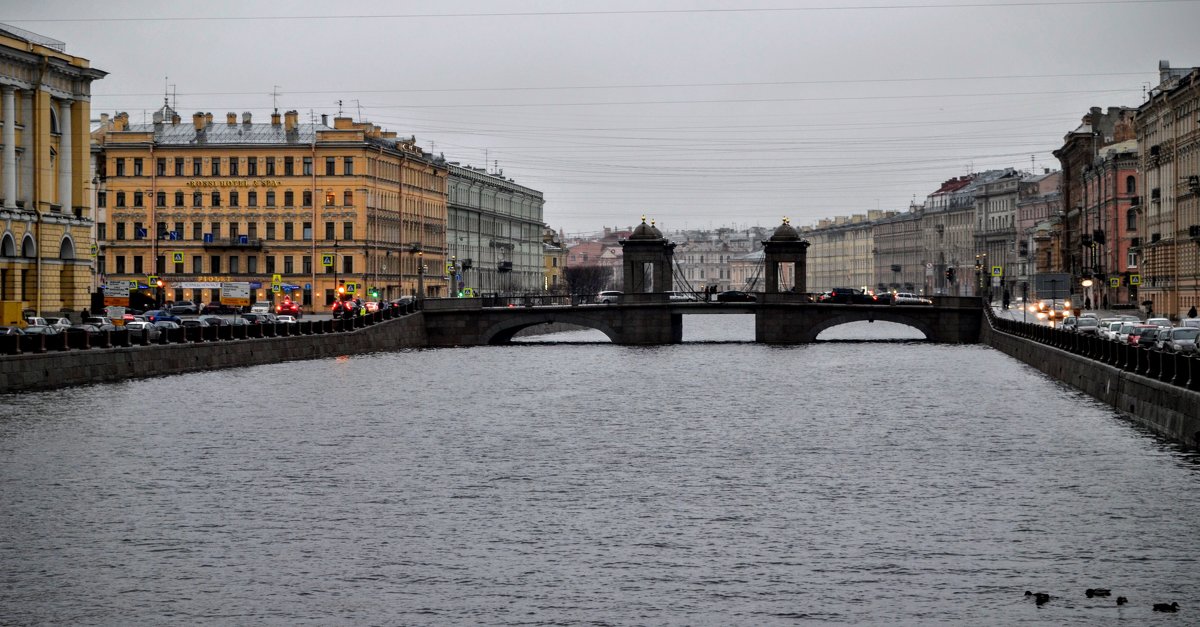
699, 113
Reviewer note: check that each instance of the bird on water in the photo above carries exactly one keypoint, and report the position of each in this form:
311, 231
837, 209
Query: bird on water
1166, 607
1122, 600
1097, 592
1038, 597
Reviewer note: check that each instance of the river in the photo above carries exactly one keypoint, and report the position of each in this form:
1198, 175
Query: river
571, 481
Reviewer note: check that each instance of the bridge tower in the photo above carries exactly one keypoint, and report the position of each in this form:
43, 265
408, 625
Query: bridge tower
785, 246
648, 258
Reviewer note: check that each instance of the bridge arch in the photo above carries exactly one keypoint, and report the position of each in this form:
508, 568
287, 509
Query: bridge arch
503, 331
871, 315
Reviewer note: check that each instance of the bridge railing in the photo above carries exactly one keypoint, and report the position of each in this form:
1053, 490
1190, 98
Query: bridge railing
1177, 369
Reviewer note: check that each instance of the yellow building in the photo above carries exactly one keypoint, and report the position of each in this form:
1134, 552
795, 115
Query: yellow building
46, 236
306, 206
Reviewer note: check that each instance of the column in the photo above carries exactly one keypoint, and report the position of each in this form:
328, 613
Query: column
64, 155
8, 186
28, 156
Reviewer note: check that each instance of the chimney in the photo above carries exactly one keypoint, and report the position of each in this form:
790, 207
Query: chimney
175, 119
157, 118
246, 118
324, 119
198, 121
289, 120
275, 118
231, 118
208, 119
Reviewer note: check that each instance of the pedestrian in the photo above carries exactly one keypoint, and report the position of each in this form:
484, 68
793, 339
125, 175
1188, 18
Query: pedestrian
1087, 303
1006, 299
84, 314
1105, 301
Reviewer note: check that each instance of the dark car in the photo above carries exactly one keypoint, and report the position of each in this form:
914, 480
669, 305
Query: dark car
37, 329
218, 309
1143, 335
184, 308
256, 318
850, 296
11, 331
345, 309
154, 315
288, 307
736, 296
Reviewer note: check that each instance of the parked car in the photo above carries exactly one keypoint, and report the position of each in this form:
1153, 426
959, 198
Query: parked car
101, 324
1122, 334
1087, 326
1068, 323
1181, 340
165, 325
218, 309
184, 308
287, 320
608, 297
260, 308
37, 322
908, 298
682, 297
736, 296
256, 318
287, 307
370, 305
1148, 338
61, 323
344, 309
215, 321
11, 331
193, 322
1159, 322
154, 315
1133, 338
138, 327
83, 328
40, 329
1192, 323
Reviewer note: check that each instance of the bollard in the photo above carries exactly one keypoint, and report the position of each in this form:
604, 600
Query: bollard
254, 331
104, 340
78, 341
1193, 368
121, 337
1166, 368
1153, 363
33, 344
240, 332
10, 344
1181, 369
144, 338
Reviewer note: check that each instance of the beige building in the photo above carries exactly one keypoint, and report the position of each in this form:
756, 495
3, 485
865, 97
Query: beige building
841, 252
1168, 144
46, 243
304, 205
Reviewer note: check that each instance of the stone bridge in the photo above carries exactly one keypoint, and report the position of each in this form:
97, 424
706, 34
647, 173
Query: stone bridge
778, 319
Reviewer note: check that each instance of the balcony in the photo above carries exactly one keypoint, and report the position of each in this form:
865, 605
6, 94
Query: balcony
240, 242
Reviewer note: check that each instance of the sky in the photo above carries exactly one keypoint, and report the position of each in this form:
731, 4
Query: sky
694, 113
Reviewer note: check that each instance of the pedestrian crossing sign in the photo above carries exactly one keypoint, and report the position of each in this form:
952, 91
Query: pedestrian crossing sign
997, 270
327, 261
1114, 282
177, 257
1135, 279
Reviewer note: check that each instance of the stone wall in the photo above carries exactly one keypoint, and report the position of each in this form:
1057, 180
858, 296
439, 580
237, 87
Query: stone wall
1169, 410
77, 367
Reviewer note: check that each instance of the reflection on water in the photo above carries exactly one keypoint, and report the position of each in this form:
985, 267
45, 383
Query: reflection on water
704, 483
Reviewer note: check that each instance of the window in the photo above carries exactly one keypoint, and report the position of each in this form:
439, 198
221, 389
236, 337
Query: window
233, 264
289, 166
252, 230
120, 199
306, 263
329, 234
197, 231
216, 230
178, 166
102, 199
234, 228
289, 198
101, 233
307, 233
197, 264
1130, 185
270, 166
1131, 220
329, 198
215, 262
120, 264
160, 199
195, 166
216, 199
348, 231
251, 199
270, 264
270, 199
137, 264
120, 230
178, 199
178, 229
233, 198
160, 167
348, 198
137, 167
178, 267
1132, 260
307, 198
348, 264
233, 167
252, 166
348, 166
252, 265
120, 167
289, 231
197, 199
330, 163
308, 166
216, 166
287, 265
137, 199
270, 230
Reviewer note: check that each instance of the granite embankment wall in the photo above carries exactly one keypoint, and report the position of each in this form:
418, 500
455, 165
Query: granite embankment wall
56, 369
1170, 409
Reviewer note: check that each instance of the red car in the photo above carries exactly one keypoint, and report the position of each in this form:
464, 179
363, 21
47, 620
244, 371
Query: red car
288, 307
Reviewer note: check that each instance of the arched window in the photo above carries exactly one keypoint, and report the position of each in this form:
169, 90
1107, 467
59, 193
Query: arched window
348, 198
1130, 184
8, 247
54, 120
160, 199
28, 248
1131, 220
66, 250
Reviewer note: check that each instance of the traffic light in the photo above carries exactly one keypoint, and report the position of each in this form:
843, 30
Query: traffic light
159, 284
341, 291
373, 291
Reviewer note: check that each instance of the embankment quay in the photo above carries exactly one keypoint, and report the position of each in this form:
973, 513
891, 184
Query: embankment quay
1158, 389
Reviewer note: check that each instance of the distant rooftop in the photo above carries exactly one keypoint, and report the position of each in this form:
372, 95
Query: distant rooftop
33, 38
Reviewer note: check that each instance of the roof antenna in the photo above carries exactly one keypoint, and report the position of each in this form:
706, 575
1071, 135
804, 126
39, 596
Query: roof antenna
275, 97
359, 105
339, 108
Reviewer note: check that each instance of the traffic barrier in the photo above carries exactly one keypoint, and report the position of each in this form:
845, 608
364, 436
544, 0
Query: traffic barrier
163, 337
1181, 369
285, 329
33, 343
144, 338
209, 334
121, 337
269, 329
102, 339
178, 336
1193, 372
1153, 363
254, 331
240, 332
305, 327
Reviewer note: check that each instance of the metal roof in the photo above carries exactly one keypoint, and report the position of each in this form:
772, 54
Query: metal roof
223, 133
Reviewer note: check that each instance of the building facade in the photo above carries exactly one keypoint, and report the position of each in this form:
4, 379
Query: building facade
46, 245
1168, 146
841, 252
495, 232
306, 206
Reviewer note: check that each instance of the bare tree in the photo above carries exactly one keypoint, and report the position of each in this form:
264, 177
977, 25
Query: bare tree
586, 280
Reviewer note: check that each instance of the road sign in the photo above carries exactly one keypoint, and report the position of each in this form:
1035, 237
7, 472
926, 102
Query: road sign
1135, 279
237, 294
94, 250
277, 278
997, 270
307, 286
151, 279
177, 257
327, 261
208, 238
1114, 282
275, 287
